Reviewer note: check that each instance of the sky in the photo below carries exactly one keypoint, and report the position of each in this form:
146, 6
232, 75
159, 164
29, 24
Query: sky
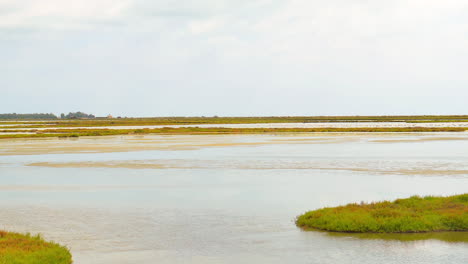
234, 57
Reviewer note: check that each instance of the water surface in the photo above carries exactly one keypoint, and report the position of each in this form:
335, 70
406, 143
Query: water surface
227, 198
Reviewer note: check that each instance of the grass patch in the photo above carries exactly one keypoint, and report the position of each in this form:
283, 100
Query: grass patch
411, 215
18, 248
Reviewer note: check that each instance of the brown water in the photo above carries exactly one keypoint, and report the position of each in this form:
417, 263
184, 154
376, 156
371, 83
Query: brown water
227, 198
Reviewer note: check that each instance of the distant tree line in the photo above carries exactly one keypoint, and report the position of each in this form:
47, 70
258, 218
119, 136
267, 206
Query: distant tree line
43, 116
77, 115
28, 116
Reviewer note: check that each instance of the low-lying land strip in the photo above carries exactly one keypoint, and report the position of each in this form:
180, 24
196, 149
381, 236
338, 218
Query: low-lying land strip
414, 214
26, 249
213, 130
234, 120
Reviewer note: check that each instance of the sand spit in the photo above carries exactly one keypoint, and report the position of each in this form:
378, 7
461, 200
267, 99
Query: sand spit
130, 143
375, 168
152, 142
464, 137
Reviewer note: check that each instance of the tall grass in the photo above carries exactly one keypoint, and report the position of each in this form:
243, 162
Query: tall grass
26, 249
414, 214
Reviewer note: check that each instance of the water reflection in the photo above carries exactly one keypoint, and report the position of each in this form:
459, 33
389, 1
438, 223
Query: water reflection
451, 237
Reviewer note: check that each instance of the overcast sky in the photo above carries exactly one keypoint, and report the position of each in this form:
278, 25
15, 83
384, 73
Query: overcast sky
234, 57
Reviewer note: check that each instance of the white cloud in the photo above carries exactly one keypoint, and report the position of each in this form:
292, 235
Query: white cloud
309, 48
59, 14
205, 26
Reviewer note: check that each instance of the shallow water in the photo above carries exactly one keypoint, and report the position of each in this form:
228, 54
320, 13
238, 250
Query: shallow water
227, 198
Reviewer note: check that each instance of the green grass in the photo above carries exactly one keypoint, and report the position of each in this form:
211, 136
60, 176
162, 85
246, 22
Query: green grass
216, 130
26, 249
414, 214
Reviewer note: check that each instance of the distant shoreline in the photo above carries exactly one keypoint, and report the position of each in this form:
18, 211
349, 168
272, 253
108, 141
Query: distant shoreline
229, 125
74, 133
103, 121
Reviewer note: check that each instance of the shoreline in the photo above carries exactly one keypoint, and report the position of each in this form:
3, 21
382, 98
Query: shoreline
74, 133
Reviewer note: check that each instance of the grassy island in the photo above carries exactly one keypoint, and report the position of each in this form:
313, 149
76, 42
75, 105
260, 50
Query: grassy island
26, 249
411, 215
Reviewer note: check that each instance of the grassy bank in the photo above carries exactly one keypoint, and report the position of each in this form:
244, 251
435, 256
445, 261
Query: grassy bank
236, 120
414, 214
215, 130
26, 249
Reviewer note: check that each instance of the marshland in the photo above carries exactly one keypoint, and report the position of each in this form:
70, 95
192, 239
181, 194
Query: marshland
226, 132
229, 125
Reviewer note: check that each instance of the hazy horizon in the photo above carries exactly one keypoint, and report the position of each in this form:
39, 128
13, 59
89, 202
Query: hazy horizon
228, 116
146, 58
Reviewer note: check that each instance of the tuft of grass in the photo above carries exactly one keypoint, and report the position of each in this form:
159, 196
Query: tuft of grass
410, 215
18, 248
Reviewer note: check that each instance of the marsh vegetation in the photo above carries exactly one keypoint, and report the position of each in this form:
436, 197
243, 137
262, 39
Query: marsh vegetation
235, 120
211, 130
414, 214
18, 248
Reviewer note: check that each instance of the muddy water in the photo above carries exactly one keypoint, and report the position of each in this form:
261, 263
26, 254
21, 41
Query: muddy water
226, 198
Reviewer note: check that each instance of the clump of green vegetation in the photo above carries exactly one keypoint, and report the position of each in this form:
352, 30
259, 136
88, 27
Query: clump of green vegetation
36, 116
414, 214
77, 115
69, 135
26, 249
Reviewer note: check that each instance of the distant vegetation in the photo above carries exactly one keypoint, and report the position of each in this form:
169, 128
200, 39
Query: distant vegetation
77, 115
414, 214
15, 116
42, 116
26, 249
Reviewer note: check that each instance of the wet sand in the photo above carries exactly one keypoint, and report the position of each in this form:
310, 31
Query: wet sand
145, 143
127, 143
428, 169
